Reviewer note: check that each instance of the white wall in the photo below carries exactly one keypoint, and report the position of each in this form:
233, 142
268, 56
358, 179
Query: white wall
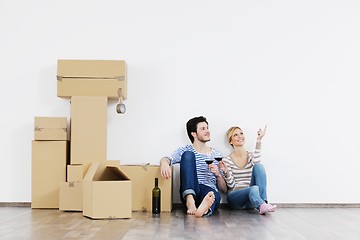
290, 65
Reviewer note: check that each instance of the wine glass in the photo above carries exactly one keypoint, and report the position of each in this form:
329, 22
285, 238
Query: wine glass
209, 161
219, 158
209, 157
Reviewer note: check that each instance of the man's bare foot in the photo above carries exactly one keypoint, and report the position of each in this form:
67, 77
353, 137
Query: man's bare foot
205, 205
190, 204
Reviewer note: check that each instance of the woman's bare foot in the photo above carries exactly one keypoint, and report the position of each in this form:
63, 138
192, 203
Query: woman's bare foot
190, 204
205, 205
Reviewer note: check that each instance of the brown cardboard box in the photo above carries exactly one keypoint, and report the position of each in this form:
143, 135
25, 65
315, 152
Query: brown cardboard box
49, 160
143, 181
88, 128
50, 128
106, 193
92, 78
75, 173
70, 196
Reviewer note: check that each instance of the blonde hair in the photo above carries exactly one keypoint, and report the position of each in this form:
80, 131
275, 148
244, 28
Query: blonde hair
230, 133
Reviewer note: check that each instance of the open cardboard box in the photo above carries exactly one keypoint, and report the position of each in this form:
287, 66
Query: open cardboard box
106, 192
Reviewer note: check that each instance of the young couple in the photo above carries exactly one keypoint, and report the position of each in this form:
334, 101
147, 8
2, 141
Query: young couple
240, 174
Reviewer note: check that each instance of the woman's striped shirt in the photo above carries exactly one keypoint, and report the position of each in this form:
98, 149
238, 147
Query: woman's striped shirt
239, 178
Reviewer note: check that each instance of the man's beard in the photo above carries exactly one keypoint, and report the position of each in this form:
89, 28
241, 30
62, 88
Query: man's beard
203, 140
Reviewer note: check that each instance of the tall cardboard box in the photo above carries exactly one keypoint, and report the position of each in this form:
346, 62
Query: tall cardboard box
142, 177
49, 160
88, 128
91, 78
106, 193
50, 128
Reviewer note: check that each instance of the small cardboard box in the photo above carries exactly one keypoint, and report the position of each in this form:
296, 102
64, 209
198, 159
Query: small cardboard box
49, 160
70, 196
50, 128
143, 179
88, 128
92, 78
106, 193
75, 173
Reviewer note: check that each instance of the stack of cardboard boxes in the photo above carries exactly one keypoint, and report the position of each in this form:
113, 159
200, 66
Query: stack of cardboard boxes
50, 150
88, 182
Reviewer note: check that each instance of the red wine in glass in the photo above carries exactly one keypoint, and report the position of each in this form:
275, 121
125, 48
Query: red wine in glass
209, 161
218, 159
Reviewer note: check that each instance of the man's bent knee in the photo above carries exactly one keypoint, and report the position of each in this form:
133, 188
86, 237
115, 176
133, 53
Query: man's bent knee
187, 156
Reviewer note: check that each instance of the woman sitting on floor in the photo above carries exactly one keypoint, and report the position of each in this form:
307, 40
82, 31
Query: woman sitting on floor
245, 175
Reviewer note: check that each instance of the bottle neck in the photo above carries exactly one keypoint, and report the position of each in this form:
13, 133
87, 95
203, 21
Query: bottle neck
156, 182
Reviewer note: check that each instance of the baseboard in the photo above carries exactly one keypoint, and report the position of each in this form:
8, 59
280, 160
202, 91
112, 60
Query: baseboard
298, 205
15, 204
318, 205
225, 205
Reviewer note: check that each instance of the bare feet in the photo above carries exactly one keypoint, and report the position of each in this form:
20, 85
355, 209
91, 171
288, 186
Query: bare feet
190, 204
205, 205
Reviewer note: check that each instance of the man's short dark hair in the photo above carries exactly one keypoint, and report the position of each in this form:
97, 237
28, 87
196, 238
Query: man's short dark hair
191, 126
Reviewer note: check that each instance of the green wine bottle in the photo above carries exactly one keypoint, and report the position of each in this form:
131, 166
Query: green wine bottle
156, 194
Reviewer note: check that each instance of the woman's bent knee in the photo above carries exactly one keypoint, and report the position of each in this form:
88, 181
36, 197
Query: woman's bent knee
259, 167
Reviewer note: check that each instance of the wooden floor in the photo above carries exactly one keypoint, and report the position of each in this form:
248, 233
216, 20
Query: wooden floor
286, 223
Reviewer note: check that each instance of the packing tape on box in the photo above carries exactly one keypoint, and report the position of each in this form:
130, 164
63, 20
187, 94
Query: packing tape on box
120, 78
143, 165
40, 129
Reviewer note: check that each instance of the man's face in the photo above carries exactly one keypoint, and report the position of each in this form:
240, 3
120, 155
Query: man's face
202, 132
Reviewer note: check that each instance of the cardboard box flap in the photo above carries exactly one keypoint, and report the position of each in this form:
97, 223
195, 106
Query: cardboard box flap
113, 163
91, 69
112, 173
91, 171
98, 172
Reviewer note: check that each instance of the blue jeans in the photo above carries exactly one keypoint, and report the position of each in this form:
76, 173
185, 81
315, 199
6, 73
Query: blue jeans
189, 183
252, 196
